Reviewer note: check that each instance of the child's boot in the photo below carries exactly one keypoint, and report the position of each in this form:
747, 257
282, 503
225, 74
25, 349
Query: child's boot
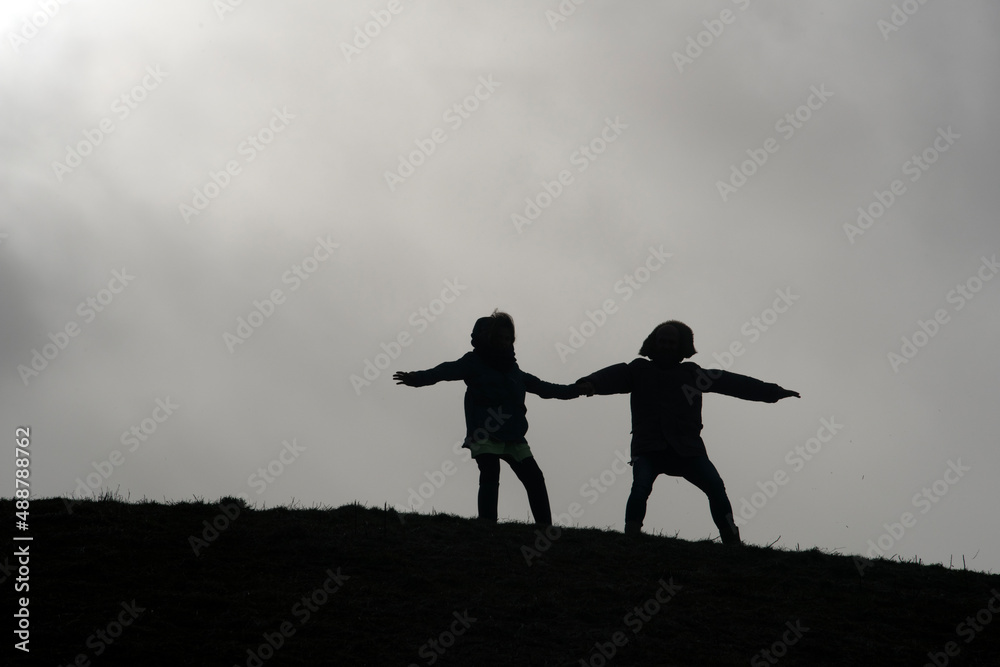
731, 537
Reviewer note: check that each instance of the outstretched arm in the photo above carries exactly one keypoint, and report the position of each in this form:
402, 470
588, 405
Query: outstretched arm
747, 388
545, 389
449, 370
614, 379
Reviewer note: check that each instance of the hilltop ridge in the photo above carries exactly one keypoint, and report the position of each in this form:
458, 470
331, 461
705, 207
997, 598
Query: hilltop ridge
220, 583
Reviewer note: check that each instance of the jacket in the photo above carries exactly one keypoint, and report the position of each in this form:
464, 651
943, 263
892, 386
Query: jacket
494, 400
666, 400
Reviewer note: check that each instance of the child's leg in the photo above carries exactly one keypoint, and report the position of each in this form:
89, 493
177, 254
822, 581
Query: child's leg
530, 474
644, 473
489, 486
701, 472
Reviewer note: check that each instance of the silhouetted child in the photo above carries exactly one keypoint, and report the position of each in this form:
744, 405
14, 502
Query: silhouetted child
495, 421
666, 419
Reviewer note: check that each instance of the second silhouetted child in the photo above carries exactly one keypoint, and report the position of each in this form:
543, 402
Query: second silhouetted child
495, 421
666, 396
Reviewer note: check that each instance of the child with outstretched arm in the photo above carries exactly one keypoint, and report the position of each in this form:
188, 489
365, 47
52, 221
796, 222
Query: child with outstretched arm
665, 399
495, 422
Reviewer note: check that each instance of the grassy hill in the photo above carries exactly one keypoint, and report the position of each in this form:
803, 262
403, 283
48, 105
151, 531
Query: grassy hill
117, 583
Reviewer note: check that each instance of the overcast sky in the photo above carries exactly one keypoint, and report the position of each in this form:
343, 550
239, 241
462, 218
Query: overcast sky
214, 219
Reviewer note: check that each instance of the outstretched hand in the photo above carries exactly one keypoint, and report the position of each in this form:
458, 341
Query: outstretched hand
788, 393
586, 388
403, 377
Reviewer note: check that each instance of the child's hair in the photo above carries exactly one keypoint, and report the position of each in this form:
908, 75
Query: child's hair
482, 332
499, 319
685, 338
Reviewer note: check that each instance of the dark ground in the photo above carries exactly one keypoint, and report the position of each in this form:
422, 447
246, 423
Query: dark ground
116, 583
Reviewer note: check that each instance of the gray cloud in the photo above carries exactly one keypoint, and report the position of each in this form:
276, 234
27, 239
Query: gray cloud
324, 175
